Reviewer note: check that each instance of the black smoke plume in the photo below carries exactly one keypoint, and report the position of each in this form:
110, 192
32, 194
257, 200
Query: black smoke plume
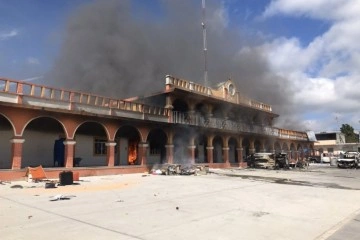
120, 50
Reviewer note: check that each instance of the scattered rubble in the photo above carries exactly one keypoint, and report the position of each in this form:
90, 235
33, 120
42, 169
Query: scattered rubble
178, 169
61, 197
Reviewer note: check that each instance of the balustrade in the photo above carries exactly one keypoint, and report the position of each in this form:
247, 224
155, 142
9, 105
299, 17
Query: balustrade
43, 92
235, 126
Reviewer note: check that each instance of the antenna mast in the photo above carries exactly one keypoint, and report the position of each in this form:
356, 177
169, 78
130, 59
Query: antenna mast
204, 43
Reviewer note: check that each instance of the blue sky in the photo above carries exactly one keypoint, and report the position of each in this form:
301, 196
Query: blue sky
312, 44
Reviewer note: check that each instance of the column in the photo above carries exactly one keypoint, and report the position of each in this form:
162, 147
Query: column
69, 153
170, 107
272, 144
142, 152
252, 146
240, 159
226, 155
209, 152
16, 152
191, 149
169, 153
110, 153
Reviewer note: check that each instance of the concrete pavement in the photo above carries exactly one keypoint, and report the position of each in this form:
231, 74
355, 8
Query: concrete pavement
228, 204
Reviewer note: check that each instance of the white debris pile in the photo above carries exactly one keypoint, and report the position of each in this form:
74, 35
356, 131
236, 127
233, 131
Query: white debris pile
178, 169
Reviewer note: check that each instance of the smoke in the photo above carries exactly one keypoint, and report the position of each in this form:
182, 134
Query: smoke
120, 50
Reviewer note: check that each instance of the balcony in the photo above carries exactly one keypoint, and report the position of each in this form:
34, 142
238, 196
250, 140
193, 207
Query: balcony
235, 126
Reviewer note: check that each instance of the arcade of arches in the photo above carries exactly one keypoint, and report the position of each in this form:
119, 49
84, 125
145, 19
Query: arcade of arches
89, 141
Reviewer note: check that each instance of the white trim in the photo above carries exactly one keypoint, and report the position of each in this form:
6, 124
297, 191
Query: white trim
69, 142
17, 140
110, 144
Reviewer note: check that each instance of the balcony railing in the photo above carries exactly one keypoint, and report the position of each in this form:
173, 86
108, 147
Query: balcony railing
194, 87
235, 126
22, 89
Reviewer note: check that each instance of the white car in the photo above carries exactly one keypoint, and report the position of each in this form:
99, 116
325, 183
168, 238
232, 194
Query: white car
349, 160
325, 159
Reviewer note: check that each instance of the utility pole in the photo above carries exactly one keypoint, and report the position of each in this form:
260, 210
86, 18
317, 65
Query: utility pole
204, 44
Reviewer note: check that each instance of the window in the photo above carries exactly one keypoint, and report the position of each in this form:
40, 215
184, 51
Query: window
100, 146
155, 149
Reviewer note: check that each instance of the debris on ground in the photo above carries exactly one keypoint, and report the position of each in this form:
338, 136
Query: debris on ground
178, 169
61, 197
17, 186
50, 185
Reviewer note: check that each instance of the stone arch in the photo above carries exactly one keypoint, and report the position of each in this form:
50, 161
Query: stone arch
233, 154
127, 138
3, 122
7, 132
41, 136
94, 124
218, 149
156, 152
91, 138
285, 147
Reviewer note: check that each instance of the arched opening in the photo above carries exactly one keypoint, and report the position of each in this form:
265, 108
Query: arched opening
6, 133
257, 145
246, 147
300, 151
156, 152
285, 148
41, 135
181, 144
277, 147
233, 155
200, 149
90, 144
127, 139
268, 146
218, 150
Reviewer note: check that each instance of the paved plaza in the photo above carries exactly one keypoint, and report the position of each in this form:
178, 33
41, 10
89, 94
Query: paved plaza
321, 202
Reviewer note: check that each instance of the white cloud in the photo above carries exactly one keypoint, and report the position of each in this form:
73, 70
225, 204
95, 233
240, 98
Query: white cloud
33, 61
319, 9
7, 35
325, 73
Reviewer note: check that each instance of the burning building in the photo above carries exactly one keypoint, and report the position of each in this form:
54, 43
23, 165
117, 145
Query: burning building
186, 123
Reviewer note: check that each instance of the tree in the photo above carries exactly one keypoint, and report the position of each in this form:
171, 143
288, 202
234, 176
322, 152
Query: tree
348, 131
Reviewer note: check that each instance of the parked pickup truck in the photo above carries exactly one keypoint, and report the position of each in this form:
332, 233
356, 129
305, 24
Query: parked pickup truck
348, 159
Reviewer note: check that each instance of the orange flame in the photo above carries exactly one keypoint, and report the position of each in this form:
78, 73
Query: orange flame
132, 153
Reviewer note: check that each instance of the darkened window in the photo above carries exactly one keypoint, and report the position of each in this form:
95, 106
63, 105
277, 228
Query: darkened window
99, 146
155, 149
